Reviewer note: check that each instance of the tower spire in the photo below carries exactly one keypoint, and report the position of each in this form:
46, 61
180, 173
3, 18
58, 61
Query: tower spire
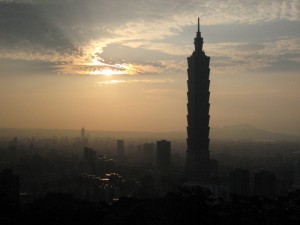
198, 40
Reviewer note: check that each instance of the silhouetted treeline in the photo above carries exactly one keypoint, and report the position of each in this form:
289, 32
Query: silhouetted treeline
185, 206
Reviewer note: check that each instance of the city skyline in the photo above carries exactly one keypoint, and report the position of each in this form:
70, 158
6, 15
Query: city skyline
121, 66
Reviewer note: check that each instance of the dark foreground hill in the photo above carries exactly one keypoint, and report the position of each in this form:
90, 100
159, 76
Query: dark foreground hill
187, 206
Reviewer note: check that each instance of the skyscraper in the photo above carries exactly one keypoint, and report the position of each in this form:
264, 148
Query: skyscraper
82, 133
148, 152
90, 156
297, 171
163, 155
239, 182
265, 184
84, 138
120, 149
9, 189
197, 158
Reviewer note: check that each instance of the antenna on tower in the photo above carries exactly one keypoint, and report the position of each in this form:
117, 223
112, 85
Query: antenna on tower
198, 24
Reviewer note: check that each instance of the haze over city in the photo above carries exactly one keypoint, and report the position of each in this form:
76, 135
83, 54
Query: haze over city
121, 65
149, 112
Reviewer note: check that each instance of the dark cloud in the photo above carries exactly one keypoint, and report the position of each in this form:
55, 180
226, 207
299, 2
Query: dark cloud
115, 53
241, 32
250, 47
68, 28
285, 64
24, 27
26, 67
62, 24
251, 32
58, 26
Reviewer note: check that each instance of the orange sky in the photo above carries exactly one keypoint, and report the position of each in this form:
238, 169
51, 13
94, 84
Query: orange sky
116, 66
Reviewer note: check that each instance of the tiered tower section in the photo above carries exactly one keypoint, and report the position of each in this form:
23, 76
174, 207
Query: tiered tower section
197, 158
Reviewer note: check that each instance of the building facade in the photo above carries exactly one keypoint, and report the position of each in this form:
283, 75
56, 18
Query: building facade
197, 158
297, 172
148, 152
239, 182
120, 149
9, 189
163, 155
265, 184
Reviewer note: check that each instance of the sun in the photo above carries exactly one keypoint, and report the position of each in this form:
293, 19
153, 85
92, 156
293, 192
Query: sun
107, 72
95, 62
99, 67
101, 71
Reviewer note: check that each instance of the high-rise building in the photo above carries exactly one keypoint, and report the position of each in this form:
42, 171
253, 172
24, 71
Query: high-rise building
84, 138
163, 155
297, 171
120, 149
239, 182
197, 158
265, 184
13, 150
82, 133
90, 156
9, 188
104, 166
148, 152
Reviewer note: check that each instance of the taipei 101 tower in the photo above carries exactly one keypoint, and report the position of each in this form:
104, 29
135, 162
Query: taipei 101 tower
197, 158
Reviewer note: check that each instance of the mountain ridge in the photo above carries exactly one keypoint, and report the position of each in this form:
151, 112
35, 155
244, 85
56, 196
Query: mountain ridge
233, 132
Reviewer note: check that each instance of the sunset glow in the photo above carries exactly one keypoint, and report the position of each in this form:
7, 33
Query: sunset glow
115, 69
127, 70
106, 72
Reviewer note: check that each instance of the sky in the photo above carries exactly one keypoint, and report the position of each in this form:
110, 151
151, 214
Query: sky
121, 65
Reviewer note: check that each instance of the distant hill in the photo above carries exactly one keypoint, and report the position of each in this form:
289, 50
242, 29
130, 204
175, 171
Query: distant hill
236, 132
42, 133
248, 132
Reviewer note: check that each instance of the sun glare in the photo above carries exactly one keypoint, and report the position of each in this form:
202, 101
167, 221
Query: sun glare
107, 72
95, 62
99, 67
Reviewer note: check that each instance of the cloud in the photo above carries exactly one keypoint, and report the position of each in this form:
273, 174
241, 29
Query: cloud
260, 93
24, 27
233, 57
25, 67
145, 81
72, 33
